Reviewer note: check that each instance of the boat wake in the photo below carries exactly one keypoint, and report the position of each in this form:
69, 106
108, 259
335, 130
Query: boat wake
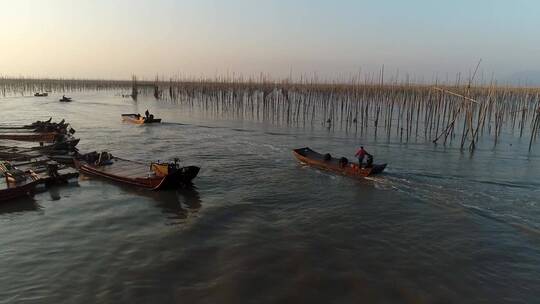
453, 193
175, 124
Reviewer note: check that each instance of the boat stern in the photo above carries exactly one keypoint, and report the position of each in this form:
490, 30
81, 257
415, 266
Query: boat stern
181, 177
378, 169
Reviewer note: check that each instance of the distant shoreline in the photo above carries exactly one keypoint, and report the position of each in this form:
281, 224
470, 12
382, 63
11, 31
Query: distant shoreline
241, 82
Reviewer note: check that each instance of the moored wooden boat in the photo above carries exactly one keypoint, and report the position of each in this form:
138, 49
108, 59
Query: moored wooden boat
10, 191
48, 137
49, 171
154, 176
67, 144
314, 159
40, 127
15, 183
44, 94
64, 146
139, 119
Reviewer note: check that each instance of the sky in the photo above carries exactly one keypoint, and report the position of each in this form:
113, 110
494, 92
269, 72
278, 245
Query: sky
304, 38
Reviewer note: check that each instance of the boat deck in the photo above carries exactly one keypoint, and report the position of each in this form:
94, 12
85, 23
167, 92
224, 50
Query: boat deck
312, 158
125, 168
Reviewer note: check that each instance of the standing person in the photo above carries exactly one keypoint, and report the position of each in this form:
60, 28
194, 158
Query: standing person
147, 113
361, 153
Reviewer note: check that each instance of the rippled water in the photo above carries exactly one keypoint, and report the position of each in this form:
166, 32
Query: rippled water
440, 226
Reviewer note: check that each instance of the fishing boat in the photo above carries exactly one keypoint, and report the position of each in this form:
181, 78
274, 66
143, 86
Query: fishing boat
62, 146
48, 137
65, 99
337, 165
48, 171
34, 125
41, 94
139, 119
15, 154
155, 176
15, 183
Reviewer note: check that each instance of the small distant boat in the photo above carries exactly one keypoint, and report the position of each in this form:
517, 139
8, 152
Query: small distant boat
41, 94
16, 183
65, 99
139, 119
341, 165
155, 176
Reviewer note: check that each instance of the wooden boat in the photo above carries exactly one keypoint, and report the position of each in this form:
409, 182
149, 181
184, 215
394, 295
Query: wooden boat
314, 159
48, 137
65, 99
60, 128
154, 176
18, 154
16, 183
41, 94
59, 147
63, 159
48, 171
38, 126
139, 119
9, 191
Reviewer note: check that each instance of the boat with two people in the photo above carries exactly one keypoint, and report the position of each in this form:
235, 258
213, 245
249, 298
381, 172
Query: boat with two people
139, 119
338, 165
153, 176
65, 99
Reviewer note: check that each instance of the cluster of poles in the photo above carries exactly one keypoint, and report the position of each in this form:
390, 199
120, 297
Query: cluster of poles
24, 86
441, 114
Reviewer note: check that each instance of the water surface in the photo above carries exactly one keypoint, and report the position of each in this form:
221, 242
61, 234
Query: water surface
441, 226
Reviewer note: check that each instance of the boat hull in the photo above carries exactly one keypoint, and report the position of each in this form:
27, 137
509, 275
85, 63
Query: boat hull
34, 137
137, 119
8, 194
137, 174
314, 159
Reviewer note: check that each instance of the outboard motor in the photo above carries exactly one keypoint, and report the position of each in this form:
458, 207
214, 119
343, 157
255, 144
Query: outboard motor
172, 168
369, 161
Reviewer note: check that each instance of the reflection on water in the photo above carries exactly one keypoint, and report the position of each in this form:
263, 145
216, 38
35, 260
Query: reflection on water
177, 204
440, 226
19, 205
54, 192
190, 197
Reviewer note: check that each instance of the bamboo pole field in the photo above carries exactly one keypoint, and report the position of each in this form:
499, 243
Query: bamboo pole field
442, 114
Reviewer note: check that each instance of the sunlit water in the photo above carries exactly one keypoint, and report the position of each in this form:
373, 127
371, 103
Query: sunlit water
440, 226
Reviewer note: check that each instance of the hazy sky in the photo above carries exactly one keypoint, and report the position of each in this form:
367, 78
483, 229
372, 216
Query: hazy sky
113, 39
